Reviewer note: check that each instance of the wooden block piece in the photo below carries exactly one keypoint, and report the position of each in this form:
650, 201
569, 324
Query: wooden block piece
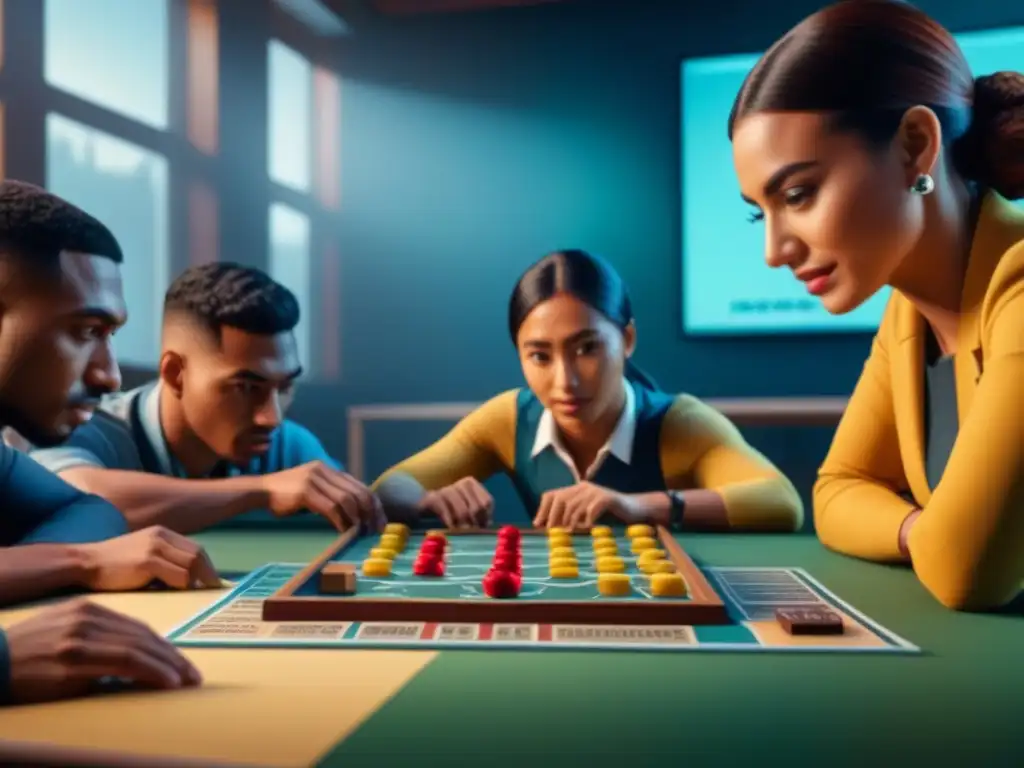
809, 621
338, 579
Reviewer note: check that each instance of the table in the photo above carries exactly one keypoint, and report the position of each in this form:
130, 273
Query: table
958, 703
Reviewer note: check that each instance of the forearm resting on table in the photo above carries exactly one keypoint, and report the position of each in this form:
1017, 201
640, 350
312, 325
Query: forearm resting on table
705, 510
967, 546
34, 571
183, 505
860, 518
736, 487
769, 504
479, 446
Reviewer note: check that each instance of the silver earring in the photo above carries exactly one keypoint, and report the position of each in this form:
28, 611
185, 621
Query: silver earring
923, 184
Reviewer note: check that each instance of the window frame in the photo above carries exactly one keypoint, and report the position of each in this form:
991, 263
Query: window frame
220, 191
321, 205
26, 94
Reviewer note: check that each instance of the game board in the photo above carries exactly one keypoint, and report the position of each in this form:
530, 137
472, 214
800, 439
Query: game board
751, 599
458, 595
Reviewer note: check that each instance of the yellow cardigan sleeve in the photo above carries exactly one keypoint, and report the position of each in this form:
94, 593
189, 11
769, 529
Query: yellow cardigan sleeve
858, 509
700, 445
967, 547
480, 445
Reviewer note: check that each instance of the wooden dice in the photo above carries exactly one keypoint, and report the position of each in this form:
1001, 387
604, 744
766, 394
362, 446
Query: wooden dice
338, 579
809, 621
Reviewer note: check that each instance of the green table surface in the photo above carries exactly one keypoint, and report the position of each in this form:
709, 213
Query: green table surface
957, 704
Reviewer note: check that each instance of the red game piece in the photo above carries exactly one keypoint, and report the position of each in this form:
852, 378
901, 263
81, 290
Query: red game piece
507, 563
432, 548
434, 539
501, 584
511, 547
508, 533
425, 566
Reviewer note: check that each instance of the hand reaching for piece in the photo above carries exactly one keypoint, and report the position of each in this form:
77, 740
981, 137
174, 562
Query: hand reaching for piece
335, 495
580, 506
135, 560
463, 504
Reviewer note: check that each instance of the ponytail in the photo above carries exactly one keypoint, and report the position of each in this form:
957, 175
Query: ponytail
991, 152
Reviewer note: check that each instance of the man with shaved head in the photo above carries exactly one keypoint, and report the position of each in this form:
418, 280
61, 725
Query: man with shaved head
208, 440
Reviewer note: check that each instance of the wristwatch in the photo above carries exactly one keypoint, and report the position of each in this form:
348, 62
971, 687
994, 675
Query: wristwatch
678, 506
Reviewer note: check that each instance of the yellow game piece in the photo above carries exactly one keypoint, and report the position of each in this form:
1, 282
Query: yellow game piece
657, 566
397, 529
639, 531
376, 566
648, 555
605, 545
601, 532
642, 544
668, 585
391, 541
563, 552
559, 532
563, 562
560, 540
610, 565
382, 553
564, 571
613, 584
437, 532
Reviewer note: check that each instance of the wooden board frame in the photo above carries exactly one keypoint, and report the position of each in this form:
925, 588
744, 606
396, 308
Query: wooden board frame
705, 606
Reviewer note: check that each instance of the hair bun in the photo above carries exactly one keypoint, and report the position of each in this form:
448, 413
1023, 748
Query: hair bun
992, 151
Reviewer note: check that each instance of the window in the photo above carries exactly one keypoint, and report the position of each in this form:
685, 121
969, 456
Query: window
303, 171
120, 66
130, 138
289, 117
290, 265
126, 187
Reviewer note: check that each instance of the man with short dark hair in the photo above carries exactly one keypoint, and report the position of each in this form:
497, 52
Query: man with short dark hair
60, 301
208, 440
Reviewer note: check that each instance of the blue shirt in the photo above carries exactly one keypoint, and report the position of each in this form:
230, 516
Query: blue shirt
125, 434
37, 507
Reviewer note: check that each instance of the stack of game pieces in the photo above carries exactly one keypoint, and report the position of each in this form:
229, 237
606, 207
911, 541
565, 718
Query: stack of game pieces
431, 558
391, 543
562, 560
504, 578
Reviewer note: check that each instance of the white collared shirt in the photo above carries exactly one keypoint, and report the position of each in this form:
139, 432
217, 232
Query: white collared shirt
619, 444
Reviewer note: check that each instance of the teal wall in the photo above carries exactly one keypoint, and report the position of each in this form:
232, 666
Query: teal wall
475, 143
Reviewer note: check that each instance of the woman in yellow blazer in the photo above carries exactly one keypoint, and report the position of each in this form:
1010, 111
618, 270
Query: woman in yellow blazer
875, 158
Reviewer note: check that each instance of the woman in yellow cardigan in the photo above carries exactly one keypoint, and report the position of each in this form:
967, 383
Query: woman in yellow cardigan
875, 158
592, 437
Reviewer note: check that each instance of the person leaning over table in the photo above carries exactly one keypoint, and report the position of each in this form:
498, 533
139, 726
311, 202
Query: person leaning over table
60, 300
876, 158
208, 439
592, 437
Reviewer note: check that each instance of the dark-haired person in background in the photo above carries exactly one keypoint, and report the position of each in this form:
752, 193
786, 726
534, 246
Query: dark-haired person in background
60, 300
208, 440
592, 436
876, 158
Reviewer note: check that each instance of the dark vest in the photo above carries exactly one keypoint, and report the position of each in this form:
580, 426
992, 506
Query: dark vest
535, 476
